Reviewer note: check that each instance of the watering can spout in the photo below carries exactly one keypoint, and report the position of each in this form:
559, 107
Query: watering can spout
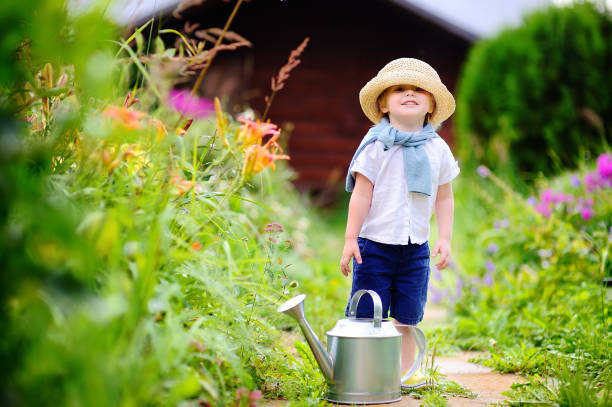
295, 308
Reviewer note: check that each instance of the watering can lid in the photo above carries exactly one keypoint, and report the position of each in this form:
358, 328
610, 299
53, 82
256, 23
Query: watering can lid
363, 328
354, 327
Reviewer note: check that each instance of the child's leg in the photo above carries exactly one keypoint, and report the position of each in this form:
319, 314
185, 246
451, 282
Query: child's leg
409, 295
408, 346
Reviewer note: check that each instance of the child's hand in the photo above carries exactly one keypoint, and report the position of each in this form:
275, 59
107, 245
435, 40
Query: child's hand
442, 248
351, 249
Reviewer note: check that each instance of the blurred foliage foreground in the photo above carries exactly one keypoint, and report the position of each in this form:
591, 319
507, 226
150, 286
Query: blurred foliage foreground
146, 243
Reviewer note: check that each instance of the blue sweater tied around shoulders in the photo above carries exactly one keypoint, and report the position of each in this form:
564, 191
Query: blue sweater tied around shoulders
416, 161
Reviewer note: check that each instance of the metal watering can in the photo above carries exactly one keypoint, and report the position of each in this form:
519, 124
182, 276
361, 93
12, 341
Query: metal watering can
362, 364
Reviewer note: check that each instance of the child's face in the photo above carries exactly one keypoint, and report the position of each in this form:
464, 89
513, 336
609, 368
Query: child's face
407, 102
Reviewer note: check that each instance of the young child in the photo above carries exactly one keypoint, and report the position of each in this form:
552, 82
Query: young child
399, 174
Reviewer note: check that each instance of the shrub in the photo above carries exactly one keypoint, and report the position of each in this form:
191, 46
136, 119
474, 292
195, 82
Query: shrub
532, 280
536, 98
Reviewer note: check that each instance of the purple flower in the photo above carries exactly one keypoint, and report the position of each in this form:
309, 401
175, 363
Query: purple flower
188, 104
532, 200
490, 266
492, 248
501, 224
435, 295
458, 287
488, 279
604, 165
587, 213
436, 273
483, 171
575, 181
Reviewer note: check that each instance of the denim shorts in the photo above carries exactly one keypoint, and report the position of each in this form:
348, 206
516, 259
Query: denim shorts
398, 273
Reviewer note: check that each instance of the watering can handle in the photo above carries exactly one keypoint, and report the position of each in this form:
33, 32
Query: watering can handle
421, 342
377, 306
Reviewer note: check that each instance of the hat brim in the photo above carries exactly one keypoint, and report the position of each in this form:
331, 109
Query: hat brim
445, 102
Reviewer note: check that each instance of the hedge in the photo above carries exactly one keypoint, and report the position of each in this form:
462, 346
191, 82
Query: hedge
536, 98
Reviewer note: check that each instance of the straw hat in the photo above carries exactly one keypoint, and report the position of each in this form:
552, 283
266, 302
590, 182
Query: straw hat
407, 71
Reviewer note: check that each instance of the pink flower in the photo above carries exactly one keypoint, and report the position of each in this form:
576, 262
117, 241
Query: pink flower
550, 196
274, 227
255, 395
604, 165
250, 396
544, 208
186, 103
587, 213
591, 180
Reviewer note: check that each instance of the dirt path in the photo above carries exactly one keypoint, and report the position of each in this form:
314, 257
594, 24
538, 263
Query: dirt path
479, 379
482, 380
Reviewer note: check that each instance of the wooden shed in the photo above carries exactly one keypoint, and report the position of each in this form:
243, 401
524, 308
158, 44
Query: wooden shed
350, 40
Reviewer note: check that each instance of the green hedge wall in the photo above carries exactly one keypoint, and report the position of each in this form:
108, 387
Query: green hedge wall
538, 98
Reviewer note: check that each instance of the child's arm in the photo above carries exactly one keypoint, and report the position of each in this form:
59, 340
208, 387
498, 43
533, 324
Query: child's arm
445, 207
359, 206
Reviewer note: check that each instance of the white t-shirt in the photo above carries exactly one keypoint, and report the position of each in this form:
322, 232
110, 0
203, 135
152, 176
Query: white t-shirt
396, 215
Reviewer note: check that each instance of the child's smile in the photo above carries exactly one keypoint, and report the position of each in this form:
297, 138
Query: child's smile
408, 102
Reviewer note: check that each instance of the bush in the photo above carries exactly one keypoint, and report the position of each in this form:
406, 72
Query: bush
536, 98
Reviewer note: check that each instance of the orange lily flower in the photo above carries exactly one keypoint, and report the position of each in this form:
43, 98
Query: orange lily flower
181, 185
257, 157
160, 129
126, 117
253, 131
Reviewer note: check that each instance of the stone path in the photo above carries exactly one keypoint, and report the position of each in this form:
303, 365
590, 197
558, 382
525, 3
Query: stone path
482, 380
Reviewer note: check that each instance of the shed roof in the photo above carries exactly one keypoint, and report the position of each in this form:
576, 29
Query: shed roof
468, 19
473, 19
